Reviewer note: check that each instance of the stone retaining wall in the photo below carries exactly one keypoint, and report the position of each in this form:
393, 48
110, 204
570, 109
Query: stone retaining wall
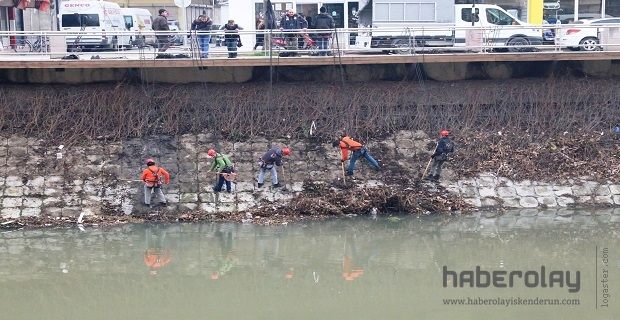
98, 178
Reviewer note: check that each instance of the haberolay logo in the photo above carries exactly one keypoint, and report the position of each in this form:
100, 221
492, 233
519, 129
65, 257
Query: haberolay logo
508, 279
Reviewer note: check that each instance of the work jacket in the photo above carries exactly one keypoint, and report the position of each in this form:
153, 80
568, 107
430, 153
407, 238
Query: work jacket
154, 176
222, 163
273, 156
347, 144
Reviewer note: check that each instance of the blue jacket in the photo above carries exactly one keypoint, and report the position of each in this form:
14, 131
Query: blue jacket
444, 146
292, 23
273, 156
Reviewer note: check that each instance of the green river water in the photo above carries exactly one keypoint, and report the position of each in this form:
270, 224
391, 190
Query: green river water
357, 268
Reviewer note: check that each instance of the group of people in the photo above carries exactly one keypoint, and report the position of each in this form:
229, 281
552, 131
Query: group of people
292, 24
154, 177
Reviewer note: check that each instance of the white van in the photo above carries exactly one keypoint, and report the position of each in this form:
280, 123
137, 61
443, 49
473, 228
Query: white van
96, 23
140, 23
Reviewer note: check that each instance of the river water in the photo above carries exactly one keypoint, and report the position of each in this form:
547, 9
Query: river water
357, 268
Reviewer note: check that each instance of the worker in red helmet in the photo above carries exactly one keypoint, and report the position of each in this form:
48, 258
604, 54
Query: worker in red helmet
221, 165
154, 177
444, 149
268, 162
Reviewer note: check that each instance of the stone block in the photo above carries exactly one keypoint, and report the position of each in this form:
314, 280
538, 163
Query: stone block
616, 199
14, 191
489, 202
581, 191
188, 206
562, 190
524, 183
31, 212
584, 200
14, 181
10, 213
487, 192
51, 211
505, 182
208, 207
172, 197
547, 201
528, 202
511, 202
37, 182
243, 206
544, 191
188, 197
601, 190
73, 211
506, 192
52, 192
11, 202
227, 207
468, 191
603, 200
245, 197
208, 197
32, 202
614, 189
486, 181
245, 186
476, 202
525, 191
564, 201
225, 197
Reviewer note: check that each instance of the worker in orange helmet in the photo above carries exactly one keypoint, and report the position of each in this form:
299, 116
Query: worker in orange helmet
268, 162
154, 177
444, 149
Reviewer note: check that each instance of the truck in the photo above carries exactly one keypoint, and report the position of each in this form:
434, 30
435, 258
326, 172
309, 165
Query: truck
140, 23
419, 24
92, 24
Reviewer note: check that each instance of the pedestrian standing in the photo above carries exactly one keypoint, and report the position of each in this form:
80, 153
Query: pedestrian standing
268, 162
357, 150
444, 149
161, 24
231, 37
323, 21
260, 35
154, 177
202, 26
292, 23
221, 165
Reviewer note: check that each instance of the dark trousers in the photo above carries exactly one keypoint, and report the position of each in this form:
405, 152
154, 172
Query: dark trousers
436, 169
231, 44
163, 43
220, 184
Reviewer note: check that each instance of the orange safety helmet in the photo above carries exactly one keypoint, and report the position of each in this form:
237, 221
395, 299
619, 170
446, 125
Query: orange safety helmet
444, 133
211, 153
149, 162
286, 151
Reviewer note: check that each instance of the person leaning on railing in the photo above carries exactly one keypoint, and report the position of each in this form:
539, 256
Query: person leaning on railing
202, 27
231, 37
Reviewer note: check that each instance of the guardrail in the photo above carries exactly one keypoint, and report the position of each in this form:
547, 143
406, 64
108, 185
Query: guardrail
41, 45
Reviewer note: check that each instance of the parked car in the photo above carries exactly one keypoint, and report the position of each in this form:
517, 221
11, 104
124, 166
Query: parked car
584, 34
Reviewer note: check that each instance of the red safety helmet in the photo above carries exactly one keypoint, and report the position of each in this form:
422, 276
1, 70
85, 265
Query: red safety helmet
149, 162
211, 153
286, 151
444, 133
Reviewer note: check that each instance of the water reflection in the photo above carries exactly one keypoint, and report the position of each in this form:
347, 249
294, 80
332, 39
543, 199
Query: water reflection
345, 269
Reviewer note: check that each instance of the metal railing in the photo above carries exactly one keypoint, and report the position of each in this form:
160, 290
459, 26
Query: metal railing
42, 45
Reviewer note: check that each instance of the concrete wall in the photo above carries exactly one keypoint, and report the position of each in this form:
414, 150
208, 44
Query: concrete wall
99, 177
238, 74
